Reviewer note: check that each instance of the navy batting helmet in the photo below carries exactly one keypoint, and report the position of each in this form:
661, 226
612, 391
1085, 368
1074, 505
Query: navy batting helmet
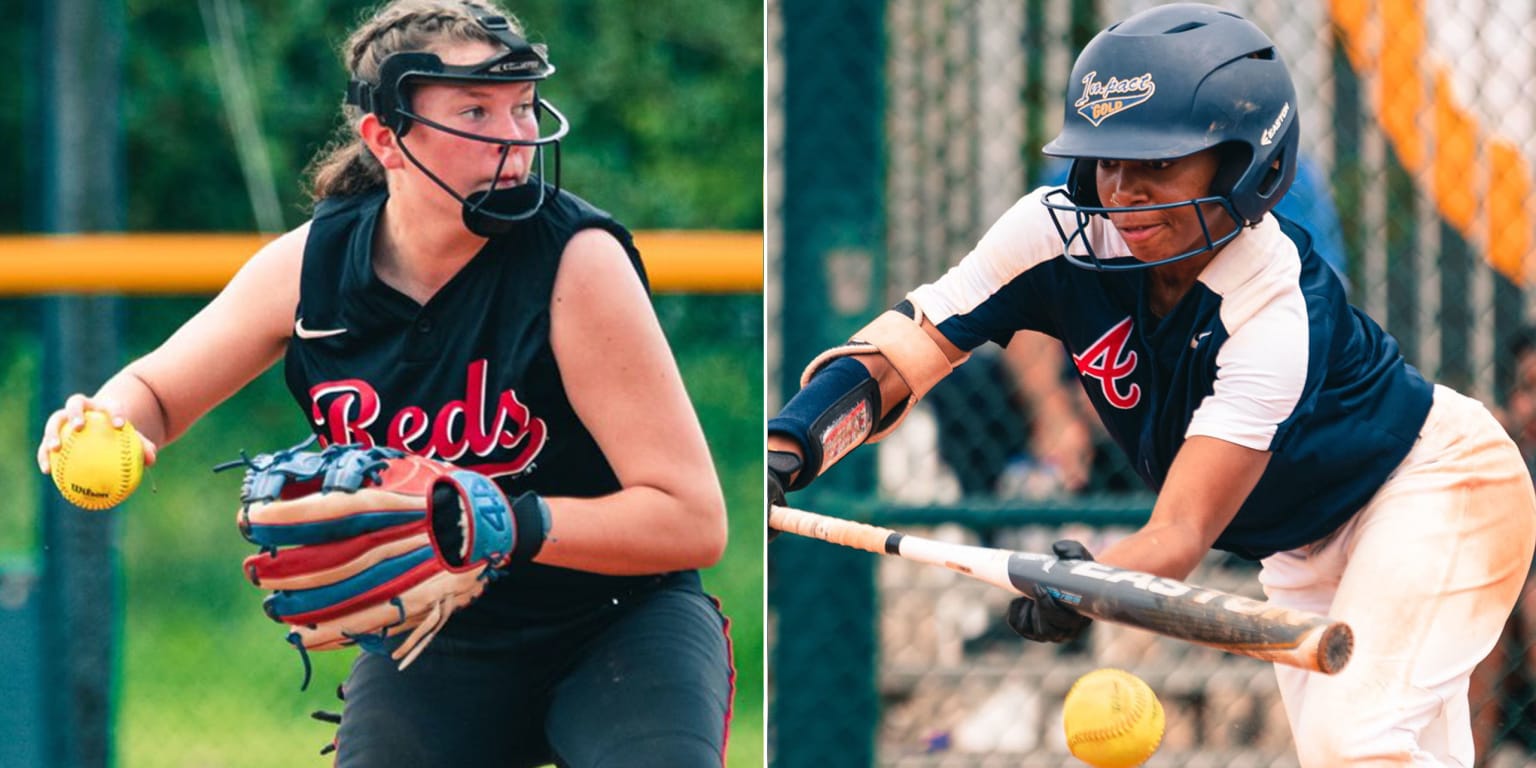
1167, 83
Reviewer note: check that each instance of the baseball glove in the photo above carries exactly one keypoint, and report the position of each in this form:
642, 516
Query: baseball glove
349, 550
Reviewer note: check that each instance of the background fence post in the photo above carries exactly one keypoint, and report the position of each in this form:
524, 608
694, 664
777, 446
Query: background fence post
834, 235
79, 176
21, 687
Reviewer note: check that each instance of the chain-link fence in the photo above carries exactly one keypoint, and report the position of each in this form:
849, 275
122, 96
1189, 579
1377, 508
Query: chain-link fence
959, 687
897, 131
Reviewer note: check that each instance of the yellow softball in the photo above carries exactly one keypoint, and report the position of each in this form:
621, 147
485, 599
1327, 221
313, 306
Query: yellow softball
1112, 719
97, 466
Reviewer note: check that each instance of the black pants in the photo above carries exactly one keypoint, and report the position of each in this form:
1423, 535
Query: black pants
643, 682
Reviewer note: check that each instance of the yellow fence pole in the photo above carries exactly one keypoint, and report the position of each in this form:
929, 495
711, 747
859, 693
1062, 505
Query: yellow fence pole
678, 261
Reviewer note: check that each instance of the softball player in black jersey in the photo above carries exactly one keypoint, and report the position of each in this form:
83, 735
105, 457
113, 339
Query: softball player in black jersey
450, 300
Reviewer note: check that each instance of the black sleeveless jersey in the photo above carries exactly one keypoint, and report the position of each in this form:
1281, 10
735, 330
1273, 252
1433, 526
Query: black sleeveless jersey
469, 378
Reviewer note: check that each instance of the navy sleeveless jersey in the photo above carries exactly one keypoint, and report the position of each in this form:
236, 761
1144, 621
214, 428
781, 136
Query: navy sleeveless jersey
469, 378
1264, 351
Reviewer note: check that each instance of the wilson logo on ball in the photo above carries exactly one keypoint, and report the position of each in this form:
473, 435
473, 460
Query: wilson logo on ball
98, 465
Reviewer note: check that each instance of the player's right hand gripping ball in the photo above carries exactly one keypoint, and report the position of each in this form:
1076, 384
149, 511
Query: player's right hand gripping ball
1112, 719
98, 465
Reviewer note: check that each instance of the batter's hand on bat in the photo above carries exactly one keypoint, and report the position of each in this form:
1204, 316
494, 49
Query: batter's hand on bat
781, 466
1043, 618
72, 416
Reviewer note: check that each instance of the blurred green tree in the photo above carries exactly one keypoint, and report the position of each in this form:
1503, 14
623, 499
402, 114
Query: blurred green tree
664, 97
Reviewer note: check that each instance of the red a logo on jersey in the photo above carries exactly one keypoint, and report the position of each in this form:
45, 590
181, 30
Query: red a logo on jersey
1109, 361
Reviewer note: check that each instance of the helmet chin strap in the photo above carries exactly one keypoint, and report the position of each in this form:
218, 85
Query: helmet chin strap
496, 211
486, 213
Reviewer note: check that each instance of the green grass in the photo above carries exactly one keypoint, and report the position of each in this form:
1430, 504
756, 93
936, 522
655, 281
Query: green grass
205, 679
726, 384
18, 468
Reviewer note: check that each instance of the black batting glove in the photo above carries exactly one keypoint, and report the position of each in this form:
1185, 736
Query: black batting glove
1043, 618
782, 465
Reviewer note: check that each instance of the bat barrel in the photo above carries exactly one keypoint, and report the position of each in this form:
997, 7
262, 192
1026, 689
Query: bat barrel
1221, 620
1169, 607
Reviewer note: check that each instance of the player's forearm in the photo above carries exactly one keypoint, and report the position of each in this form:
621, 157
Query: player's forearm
1158, 550
140, 405
638, 530
859, 391
838, 410
1203, 491
893, 391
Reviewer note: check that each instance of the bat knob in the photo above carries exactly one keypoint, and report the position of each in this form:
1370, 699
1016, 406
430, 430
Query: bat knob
1333, 652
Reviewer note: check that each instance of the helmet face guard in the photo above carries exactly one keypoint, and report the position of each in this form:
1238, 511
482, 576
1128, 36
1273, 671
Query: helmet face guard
493, 211
1167, 83
1061, 200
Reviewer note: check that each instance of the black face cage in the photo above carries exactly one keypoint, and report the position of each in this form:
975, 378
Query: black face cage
493, 211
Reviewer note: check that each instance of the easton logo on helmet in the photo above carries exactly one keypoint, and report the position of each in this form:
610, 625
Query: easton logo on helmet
1268, 137
1100, 100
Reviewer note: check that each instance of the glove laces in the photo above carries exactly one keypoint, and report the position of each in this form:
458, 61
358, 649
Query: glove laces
378, 642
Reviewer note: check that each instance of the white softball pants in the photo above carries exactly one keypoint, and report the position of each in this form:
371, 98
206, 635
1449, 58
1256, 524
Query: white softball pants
1426, 575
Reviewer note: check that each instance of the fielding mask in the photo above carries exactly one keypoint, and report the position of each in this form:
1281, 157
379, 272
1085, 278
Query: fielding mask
493, 211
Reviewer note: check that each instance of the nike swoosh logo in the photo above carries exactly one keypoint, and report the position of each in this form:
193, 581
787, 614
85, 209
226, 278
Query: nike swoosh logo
1195, 342
304, 333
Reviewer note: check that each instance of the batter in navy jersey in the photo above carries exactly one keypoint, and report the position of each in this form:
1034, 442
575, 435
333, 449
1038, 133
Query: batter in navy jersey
1274, 420
450, 300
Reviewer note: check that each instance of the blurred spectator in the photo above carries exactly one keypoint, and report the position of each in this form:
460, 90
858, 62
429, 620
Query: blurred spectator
1502, 689
1062, 428
1018, 425
1520, 408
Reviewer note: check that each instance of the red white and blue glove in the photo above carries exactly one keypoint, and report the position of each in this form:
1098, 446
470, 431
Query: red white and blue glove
357, 553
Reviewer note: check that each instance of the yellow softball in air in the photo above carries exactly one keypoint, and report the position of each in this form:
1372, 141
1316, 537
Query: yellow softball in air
97, 466
1112, 719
